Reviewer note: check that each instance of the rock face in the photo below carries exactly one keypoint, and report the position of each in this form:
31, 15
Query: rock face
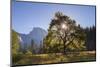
37, 34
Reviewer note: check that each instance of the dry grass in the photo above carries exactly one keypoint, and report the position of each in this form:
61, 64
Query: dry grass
58, 58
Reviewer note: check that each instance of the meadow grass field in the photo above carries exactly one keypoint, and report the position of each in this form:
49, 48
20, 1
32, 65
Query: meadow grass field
52, 58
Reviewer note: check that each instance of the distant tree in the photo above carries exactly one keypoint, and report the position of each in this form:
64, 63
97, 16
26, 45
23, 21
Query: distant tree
91, 38
32, 47
41, 47
15, 43
62, 32
16, 55
24, 49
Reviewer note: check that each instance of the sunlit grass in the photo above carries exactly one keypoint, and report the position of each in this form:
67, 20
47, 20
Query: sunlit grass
57, 58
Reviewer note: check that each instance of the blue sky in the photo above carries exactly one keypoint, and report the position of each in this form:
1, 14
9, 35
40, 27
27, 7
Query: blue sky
26, 15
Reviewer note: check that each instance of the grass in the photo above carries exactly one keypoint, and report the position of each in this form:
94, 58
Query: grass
57, 58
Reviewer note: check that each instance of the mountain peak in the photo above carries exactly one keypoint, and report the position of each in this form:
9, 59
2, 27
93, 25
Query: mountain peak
37, 34
37, 29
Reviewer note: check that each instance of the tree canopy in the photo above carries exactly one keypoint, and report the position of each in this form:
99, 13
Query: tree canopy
15, 42
64, 34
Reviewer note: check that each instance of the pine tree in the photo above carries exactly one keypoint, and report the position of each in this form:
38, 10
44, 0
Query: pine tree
32, 48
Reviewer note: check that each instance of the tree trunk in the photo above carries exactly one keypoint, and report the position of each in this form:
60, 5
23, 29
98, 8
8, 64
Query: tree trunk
64, 51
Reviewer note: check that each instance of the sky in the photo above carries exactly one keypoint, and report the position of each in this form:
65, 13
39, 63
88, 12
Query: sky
27, 15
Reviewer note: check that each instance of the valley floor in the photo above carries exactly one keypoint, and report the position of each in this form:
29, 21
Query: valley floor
57, 58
